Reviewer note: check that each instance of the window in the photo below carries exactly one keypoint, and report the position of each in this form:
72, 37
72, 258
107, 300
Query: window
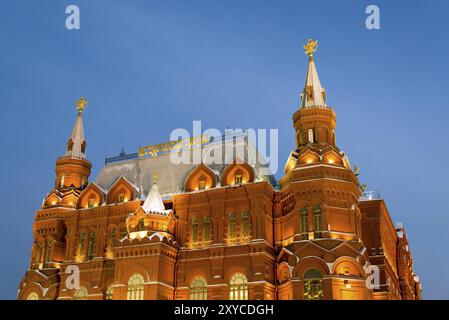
80, 294
91, 201
304, 224
317, 221
121, 198
238, 178
202, 183
39, 253
141, 226
81, 244
112, 237
123, 232
238, 289
135, 287
198, 289
109, 293
62, 182
232, 225
47, 257
33, 296
246, 224
313, 285
195, 230
310, 134
207, 234
91, 246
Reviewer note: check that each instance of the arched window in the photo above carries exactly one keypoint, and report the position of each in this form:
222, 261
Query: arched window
39, 253
195, 230
310, 135
246, 224
91, 201
313, 285
80, 294
238, 177
109, 293
91, 246
317, 221
81, 244
202, 183
112, 237
238, 289
207, 232
135, 287
304, 224
198, 289
47, 257
32, 296
232, 225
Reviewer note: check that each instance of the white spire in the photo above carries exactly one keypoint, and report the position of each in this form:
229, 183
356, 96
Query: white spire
313, 94
153, 202
76, 145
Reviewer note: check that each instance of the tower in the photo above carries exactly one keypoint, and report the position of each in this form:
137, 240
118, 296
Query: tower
319, 223
73, 169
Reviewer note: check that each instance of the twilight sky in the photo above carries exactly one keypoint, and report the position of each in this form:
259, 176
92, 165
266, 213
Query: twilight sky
148, 67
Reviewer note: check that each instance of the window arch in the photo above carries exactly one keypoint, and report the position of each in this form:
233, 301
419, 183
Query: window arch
135, 287
317, 221
80, 294
304, 223
109, 293
238, 289
32, 296
313, 285
207, 230
198, 289
232, 225
195, 223
246, 224
91, 245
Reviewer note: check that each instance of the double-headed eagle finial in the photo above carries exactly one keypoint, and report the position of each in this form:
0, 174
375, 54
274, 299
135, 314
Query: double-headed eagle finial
81, 104
310, 47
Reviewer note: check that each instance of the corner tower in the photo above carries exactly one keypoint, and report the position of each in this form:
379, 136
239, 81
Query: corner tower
73, 170
319, 224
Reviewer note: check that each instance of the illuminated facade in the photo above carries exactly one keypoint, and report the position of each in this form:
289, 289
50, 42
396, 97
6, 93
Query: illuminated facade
151, 229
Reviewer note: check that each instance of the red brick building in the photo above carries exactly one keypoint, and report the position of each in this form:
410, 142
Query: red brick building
151, 229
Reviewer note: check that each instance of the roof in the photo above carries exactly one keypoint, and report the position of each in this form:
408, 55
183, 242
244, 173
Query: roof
172, 176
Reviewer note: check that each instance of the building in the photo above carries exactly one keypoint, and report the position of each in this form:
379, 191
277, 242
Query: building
150, 229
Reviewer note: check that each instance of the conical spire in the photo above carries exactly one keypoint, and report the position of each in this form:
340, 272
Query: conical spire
313, 94
153, 202
76, 145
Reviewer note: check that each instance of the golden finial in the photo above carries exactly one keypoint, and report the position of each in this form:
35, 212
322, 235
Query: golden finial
310, 47
81, 104
155, 177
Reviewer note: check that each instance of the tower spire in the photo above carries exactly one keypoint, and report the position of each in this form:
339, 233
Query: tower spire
313, 94
76, 145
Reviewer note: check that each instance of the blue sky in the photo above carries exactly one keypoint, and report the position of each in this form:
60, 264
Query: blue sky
148, 67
